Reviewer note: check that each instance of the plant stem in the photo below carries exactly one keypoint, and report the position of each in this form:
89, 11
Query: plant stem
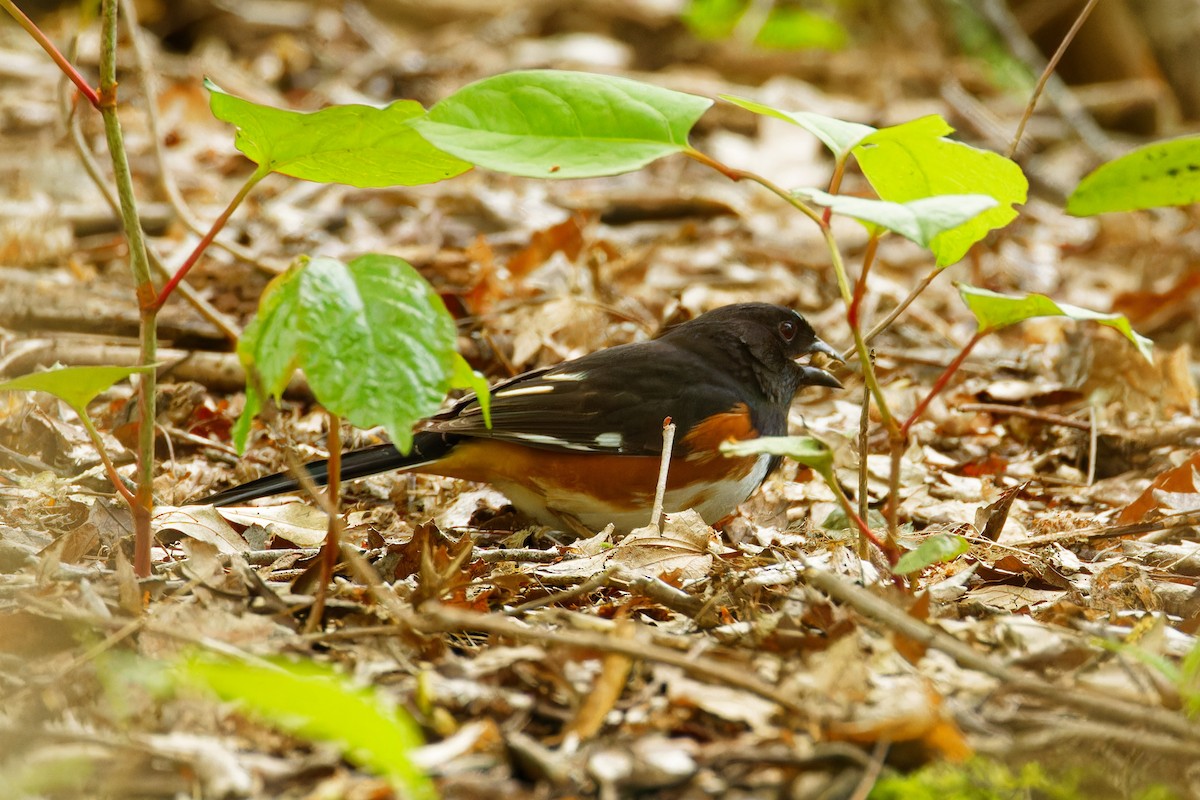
899, 441
331, 550
889, 551
216, 227
109, 468
942, 380
905, 303
139, 265
66, 66
741, 174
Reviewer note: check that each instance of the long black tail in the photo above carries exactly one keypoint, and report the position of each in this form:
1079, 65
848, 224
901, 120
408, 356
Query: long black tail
427, 447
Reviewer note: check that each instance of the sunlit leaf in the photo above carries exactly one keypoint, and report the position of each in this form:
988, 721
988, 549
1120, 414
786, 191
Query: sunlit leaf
914, 161
316, 703
352, 144
76, 386
561, 124
919, 221
1160, 174
993, 310
839, 136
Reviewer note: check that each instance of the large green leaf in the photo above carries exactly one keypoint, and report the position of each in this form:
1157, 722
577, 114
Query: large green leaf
913, 161
352, 144
1159, 174
316, 703
372, 336
993, 310
560, 124
919, 221
76, 386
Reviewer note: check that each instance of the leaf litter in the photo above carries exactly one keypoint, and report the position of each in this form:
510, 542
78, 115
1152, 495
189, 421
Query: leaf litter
677, 662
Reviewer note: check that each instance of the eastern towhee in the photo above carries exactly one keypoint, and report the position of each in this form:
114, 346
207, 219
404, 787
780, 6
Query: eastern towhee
580, 443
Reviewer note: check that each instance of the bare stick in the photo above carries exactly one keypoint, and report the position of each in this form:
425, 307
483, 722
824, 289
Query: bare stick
664, 467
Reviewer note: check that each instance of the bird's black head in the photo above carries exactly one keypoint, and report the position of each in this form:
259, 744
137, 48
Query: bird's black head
772, 337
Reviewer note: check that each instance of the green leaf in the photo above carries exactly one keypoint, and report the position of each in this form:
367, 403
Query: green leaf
785, 27
839, 136
373, 337
936, 549
316, 703
909, 162
560, 124
918, 221
75, 386
1159, 174
463, 377
789, 28
352, 144
812, 453
993, 310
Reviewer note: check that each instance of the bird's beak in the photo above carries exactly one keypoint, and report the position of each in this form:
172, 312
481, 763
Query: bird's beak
813, 376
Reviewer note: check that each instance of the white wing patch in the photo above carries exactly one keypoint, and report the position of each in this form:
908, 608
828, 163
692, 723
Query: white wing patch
565, 376
523, 390
549, 441
611, 440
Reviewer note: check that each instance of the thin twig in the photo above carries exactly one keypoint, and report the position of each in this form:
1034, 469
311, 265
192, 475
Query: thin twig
437, 618
1025, 413
1047, 72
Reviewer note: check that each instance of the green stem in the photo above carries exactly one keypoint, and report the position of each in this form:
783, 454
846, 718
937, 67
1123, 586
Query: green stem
66, 66
905, 303
139, 265
109, 468
742, 175
216, 227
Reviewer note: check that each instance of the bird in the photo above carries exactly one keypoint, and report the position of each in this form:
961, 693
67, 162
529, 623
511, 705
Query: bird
578, 445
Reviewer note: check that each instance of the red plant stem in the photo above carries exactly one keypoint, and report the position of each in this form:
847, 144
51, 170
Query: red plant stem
860, 285
66, 66
203, 244
941, 382
331, 549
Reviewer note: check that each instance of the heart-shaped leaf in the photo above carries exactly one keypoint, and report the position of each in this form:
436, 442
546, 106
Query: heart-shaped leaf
372, 336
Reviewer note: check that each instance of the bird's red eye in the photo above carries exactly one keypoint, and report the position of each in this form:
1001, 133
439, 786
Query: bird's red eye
787, 329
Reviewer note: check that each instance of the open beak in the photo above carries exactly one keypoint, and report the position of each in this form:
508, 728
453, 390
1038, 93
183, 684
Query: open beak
813, 376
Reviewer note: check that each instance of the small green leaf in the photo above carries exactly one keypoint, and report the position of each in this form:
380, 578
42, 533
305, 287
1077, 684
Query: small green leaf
561, 124
936, 549
351, 144
812, 453
463, 377
1160, 174
993, 311
918, 221
913, 161
789, 28
75, 386
839, 136
373, 337
316, 703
